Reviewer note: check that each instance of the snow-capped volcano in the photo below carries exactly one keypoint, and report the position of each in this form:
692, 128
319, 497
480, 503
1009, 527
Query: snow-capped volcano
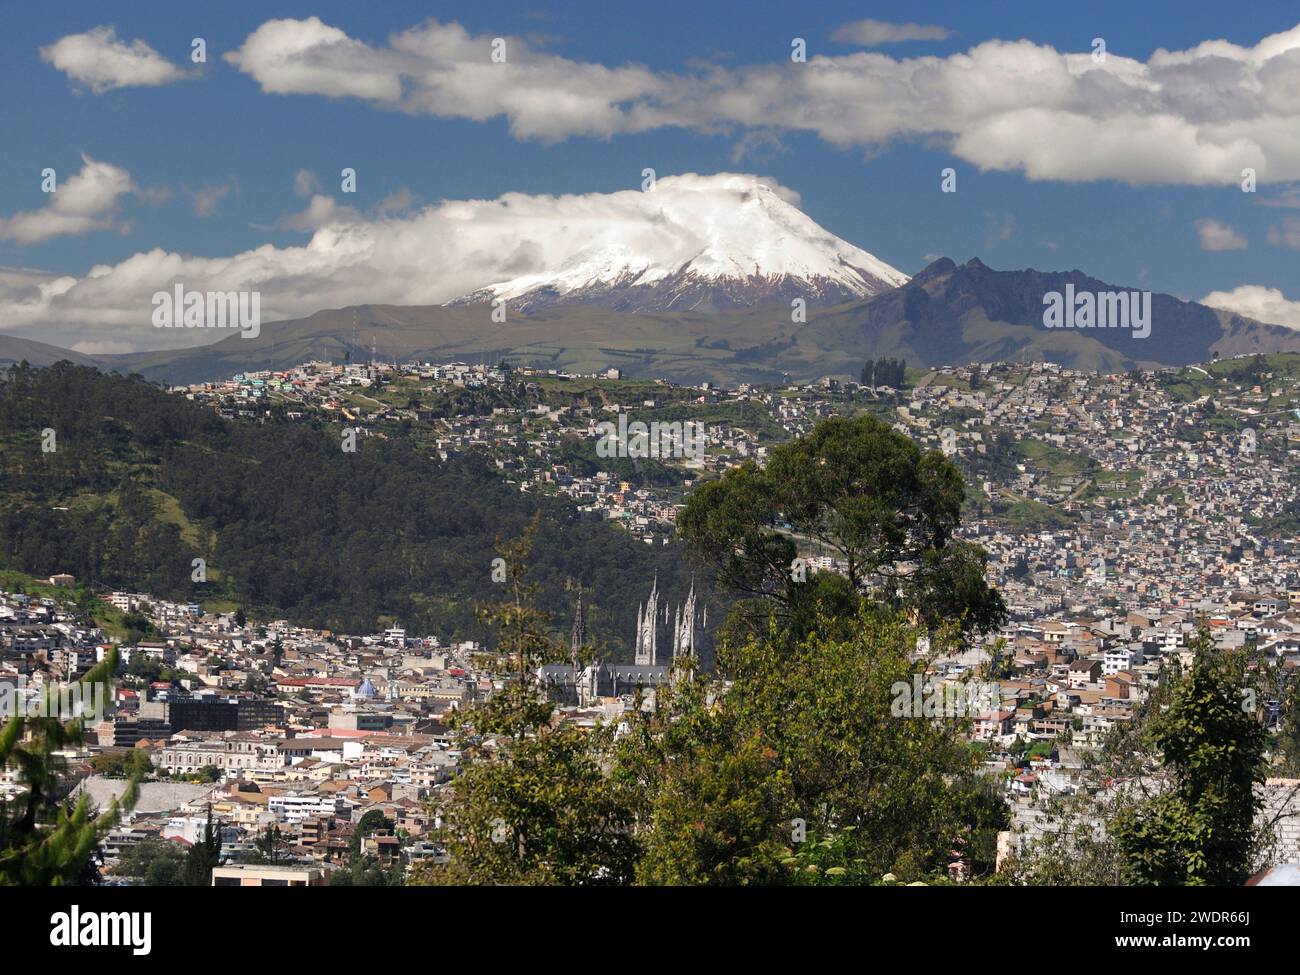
699, 243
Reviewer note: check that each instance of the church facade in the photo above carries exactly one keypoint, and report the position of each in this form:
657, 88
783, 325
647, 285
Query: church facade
584, 683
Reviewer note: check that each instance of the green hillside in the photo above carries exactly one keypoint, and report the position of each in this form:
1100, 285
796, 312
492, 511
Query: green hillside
142, 482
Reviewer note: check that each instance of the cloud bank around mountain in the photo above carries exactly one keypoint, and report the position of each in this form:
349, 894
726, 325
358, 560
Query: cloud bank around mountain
393, 254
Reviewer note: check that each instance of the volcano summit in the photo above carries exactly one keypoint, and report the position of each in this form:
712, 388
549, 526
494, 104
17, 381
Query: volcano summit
701, 243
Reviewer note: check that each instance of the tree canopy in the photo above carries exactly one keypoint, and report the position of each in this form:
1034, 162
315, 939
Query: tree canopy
866, 495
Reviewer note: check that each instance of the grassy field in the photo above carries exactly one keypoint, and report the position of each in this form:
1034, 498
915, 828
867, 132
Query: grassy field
169, 511
14, 581
1053, 460
1114, 484
1027, 516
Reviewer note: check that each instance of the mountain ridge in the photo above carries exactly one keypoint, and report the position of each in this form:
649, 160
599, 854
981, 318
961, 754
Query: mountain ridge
946, 314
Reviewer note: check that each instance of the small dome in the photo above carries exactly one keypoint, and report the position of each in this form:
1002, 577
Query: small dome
366, 689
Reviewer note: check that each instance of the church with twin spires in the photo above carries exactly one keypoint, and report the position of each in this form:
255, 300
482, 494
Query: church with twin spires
584, 683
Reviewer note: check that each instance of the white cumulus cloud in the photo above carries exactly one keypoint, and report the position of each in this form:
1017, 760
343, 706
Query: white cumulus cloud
1193, 117
1216, 236
871, 33
1287, 234
440, 69
85, 201
305, 183
100, 61
1257, 302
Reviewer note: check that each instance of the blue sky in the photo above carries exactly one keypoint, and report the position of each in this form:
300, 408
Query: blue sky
218, 127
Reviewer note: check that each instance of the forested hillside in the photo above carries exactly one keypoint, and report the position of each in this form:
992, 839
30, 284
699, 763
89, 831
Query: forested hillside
141, 482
